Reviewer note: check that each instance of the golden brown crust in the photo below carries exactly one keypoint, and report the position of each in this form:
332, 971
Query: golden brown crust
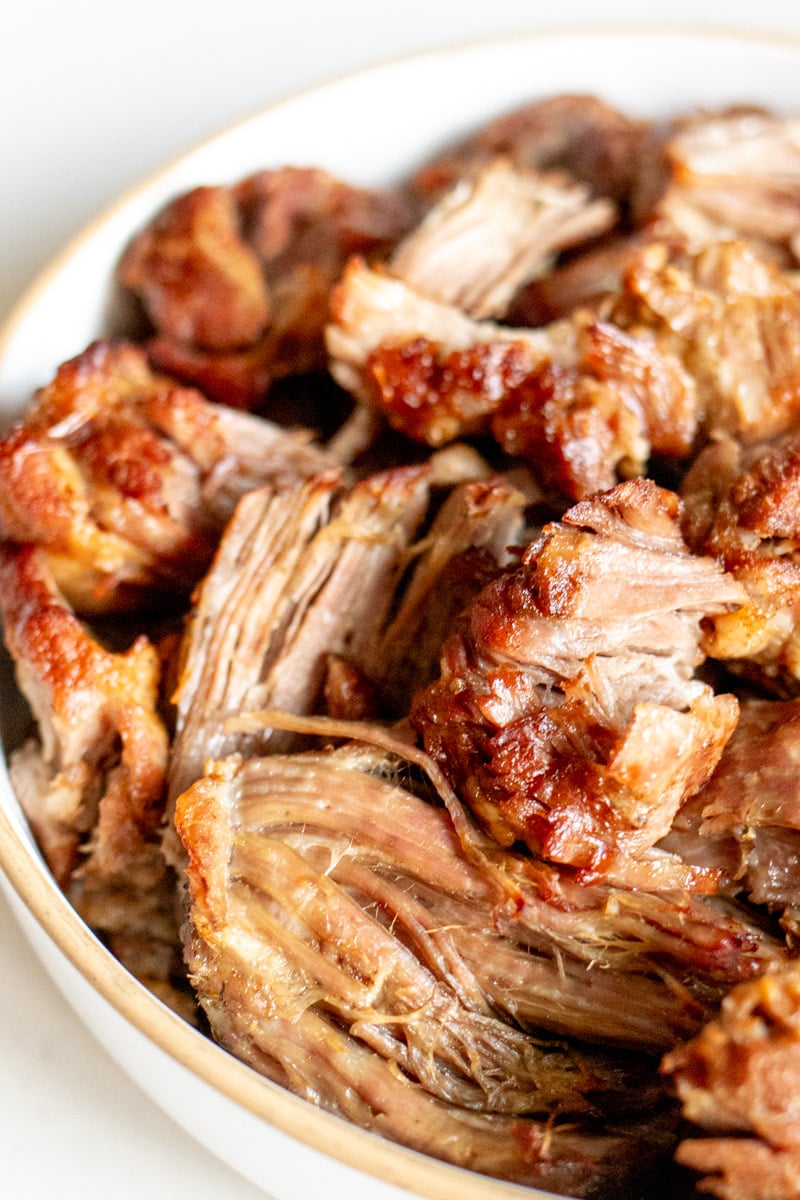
125, 479
97, 717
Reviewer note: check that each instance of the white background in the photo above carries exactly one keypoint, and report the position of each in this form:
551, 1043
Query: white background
94, 96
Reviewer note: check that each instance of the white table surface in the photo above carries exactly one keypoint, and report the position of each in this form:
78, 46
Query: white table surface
95, 95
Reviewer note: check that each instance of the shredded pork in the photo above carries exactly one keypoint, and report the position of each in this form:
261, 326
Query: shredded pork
461, 756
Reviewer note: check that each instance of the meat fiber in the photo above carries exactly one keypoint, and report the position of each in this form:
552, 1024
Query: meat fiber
92, 783
566, 713
344, 943
125, 480
489, 235
747, 816
734, 174
313, 574
738, 1080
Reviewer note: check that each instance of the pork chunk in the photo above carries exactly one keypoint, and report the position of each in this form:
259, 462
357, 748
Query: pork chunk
742, 506
93, 781
235, 280
319, 949
488, 236
582, 400
732, 319
567, 713
125, 480
580, 134
738, 1080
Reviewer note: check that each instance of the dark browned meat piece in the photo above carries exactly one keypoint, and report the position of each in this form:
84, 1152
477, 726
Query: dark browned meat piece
582, 400
594, 142
236, 279
198, 279
85, 699
566, 713
739, 1079
126, 479
743, 506
303, 216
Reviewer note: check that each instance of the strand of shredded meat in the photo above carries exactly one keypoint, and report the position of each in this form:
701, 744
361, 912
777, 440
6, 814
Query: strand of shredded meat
488, 235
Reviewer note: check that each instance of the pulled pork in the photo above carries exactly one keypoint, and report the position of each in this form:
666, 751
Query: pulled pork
566, 712
338, 906
738, 1080
471, 829
742, 507
93, 783
125, 480
488, 235
583, 401
308, 580
235, 280
747, 816
582, 135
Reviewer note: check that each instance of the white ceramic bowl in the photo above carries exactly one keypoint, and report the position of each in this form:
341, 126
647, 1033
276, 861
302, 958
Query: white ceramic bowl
369, 128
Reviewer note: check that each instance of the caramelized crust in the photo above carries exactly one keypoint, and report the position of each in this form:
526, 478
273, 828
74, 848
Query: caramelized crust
103, 745
582, 401
125, 479
566, 714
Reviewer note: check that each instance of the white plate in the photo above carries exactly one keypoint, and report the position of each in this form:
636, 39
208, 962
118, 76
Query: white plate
369, 128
